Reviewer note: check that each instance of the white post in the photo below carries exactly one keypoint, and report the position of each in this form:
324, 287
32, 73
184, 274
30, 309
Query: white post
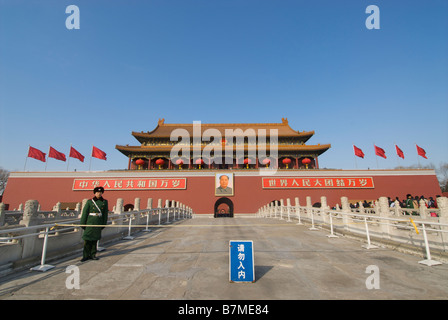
274, 209
312, 220
288, 208
129, 237
148, 213
137, 204
428, 260
345, 211
442, 204
383, 206
422, 209
309, 206
147, 220
119, 206
98, 248
331, 235
159, 209
296, 199
167, 206
397, 208
44, 267
369, 245
281, 209
149, 203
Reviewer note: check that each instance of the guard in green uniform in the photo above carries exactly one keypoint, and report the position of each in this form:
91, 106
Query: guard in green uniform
94, 213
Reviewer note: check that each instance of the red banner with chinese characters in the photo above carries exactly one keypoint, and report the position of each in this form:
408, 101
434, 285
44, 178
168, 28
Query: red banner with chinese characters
131, 184
317, 182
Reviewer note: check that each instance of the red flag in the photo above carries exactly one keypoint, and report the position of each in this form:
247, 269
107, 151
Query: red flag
97, 153
75, 154
358, 152
56, 154
380, 152
36, 154
399, 152
421, 152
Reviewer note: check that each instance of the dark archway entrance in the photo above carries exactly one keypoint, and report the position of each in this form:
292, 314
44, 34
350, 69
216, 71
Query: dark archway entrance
128, 207
223, 208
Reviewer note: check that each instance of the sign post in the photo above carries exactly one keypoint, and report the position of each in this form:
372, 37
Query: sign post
241, 261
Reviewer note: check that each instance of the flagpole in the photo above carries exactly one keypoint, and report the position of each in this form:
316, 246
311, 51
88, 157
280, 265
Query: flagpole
46, 160
376, 156
356, 163
418, 159
26, 159
398, 160
90, 163
68, 160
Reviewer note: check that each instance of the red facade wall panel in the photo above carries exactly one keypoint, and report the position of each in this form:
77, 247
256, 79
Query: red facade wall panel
249, 194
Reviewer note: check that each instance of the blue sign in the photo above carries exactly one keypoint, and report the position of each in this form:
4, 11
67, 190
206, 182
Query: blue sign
241, 261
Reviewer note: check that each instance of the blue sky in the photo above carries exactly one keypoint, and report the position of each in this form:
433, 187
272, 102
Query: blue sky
223, 61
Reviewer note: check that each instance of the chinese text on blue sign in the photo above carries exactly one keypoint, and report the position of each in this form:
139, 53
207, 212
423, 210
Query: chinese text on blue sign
241, 264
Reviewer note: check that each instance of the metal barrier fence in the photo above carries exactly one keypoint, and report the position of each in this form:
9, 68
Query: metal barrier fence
404, 226
19, 243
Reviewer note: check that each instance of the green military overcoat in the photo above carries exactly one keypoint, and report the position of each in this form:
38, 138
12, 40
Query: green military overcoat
94, 233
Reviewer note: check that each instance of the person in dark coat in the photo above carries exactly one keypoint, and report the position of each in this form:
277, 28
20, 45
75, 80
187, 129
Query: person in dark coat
94, 212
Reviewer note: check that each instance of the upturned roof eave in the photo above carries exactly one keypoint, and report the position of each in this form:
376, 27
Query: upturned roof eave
318, 149
164, 130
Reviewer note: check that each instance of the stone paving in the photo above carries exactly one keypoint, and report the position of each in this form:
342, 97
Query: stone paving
190, 260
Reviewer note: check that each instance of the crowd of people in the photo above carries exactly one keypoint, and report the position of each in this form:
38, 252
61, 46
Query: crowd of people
411, 202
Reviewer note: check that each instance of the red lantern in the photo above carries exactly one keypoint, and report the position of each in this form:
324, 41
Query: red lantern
180, 162
286, 161
160, 163
199, 162
246, 162
139, 162
306, 162
267, 162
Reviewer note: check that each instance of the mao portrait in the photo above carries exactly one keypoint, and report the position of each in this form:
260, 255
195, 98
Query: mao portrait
224, 184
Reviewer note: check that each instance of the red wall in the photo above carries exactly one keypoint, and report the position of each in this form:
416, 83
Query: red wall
199, 195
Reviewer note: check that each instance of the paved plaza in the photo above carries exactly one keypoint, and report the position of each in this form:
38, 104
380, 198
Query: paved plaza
190, 260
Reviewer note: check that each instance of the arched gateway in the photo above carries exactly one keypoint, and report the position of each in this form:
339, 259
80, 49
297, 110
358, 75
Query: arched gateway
223, 208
